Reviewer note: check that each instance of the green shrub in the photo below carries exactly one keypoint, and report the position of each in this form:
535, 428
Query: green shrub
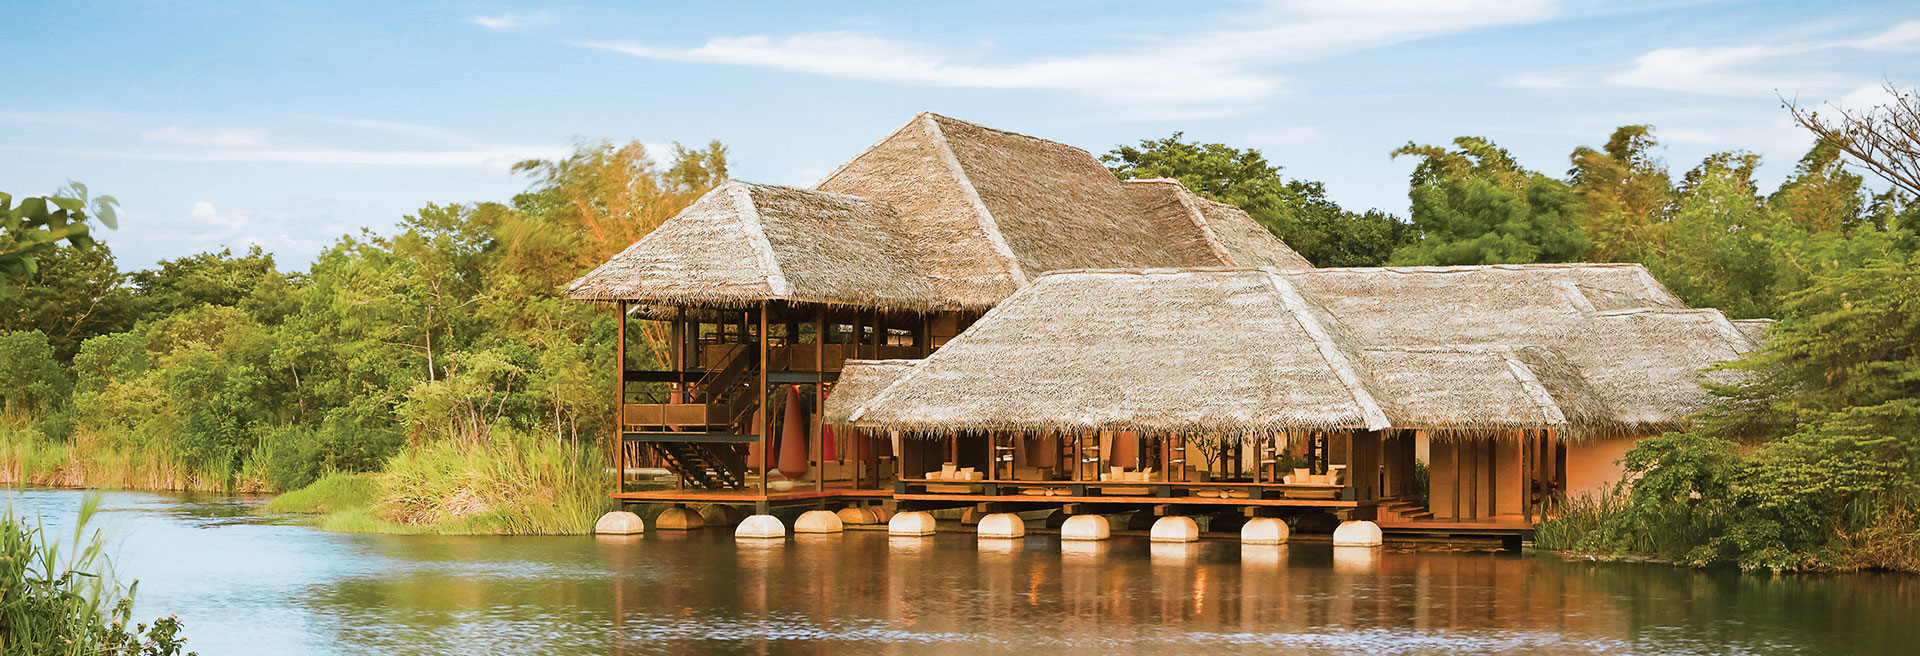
68, 606
511, 484
333, 493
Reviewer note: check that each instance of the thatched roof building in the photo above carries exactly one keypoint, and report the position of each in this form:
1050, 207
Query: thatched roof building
941, 214
1239, 351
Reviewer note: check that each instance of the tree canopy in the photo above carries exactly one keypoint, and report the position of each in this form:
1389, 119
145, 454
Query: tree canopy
1297, 211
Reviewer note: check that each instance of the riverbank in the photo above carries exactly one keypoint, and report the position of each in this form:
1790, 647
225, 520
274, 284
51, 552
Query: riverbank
513, 485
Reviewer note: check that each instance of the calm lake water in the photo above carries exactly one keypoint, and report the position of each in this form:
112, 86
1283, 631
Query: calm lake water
246, 584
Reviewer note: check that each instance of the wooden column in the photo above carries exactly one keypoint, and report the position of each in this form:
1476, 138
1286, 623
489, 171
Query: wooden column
1526, 475
674, 337
819, 403
620, 401
760, 388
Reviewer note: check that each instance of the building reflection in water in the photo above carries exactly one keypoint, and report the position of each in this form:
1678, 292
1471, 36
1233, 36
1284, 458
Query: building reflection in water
951, 592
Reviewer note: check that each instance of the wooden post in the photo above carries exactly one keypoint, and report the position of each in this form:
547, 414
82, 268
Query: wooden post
1526, 476
760, 388
1459, 472
819, 403
620, 402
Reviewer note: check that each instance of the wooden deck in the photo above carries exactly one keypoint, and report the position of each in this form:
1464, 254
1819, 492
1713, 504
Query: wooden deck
692, 495
1506, 524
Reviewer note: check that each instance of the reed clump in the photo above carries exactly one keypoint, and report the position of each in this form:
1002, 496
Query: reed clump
60, 599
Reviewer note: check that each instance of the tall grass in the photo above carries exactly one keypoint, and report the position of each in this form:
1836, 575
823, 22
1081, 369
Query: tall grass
511, 484
1577, 521
60, 599
27, 457
332, 493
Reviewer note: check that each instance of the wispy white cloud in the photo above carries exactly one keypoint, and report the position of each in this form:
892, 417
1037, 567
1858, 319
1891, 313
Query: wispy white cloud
514, 20
499, 156
1540, 81
180, 144
1756, 69
224, 137
1284, 136
1223, 71
424, 132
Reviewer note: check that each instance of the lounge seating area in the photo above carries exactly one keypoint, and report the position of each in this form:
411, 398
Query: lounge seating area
951, 472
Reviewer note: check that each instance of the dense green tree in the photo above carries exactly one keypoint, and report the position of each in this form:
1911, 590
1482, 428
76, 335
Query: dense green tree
1821, 195
74, 294
31, 380
1831, 406
1297, 211
1475, 205
1626, 193
209, 279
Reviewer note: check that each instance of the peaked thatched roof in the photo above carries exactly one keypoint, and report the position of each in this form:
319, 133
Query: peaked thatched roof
1754, 329
860, 381
940, 214
742, 243
1238, 351
1158, 350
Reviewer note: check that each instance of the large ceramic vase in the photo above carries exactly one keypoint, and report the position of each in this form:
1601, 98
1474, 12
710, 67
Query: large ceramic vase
793, 437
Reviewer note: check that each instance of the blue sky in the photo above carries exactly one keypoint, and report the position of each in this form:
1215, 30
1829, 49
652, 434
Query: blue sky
289, 124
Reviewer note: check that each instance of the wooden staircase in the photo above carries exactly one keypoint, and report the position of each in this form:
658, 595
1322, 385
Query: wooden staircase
705, 466
1402, 511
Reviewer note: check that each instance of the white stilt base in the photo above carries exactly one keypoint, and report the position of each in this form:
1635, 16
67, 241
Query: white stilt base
1086, 527
1264, 530
911, 524
817, 521
619, 522
1357, 534
1174, 528
761, 527
1002, 525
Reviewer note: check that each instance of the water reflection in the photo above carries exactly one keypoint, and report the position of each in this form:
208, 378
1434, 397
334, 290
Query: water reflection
250, 586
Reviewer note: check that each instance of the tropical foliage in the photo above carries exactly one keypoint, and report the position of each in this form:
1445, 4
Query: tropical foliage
444, 343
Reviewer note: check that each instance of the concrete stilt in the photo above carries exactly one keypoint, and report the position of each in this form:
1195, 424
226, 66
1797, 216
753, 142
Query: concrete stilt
761, 527
1264, 530
1357, 534
817, 521
1174, 528
912, 524
1086, 527
722, 515
619, 522
1002, 525
858, 516
678, 518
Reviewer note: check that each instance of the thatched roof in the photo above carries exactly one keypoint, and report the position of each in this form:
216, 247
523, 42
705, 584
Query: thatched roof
940, 214
860, 381
1754, 329
742, 243
1157, 350
1472, 389
1647, 364
1237, 351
